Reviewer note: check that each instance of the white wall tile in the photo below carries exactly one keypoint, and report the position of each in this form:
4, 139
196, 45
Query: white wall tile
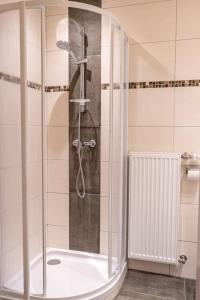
57, 109
188, 59
149, 22
58, 209
187, 106
151, 107
58, 176
152, 61
158, 139
188, 22
58, 142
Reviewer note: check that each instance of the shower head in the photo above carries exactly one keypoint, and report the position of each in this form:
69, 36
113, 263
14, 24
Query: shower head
63, 45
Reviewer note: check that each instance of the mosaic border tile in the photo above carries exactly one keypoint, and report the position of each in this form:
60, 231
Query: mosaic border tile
106, 86
58, 88
164, 84
17, 80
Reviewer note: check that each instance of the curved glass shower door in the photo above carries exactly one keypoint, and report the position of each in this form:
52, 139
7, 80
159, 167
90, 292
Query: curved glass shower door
12, 164
66, 213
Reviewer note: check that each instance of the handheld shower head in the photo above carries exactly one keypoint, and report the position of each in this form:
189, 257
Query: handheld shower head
63, 45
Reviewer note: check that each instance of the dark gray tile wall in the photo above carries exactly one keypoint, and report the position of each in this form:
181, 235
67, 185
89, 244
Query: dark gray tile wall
91, 2
84, 220
148, 286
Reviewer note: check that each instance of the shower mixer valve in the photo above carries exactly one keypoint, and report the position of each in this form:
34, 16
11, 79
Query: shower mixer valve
78, 144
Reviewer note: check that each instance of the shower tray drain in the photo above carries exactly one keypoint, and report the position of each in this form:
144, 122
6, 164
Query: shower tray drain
54, 262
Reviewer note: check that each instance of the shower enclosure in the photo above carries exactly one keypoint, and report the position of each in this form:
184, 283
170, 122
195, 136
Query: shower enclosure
63, 151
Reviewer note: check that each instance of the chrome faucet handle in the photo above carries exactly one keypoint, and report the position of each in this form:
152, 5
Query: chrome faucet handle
91, 143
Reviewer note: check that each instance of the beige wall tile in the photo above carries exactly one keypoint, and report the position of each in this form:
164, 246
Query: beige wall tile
35, 143
187, 106
189, 269
148, 22
188, 22
151, 139
152, 61
54, 24
57, 109
188, 59
151, 107
35, 179
57, 66
58, 209
104, 179
188, 222
186, 139
34, 107
115, 3
147, 266
10, 146
189, 191
58, 176
58, 237
58, 142
35, 215
10, 98
105, 134
105, 107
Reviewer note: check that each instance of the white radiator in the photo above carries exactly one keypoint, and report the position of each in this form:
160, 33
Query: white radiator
154, 196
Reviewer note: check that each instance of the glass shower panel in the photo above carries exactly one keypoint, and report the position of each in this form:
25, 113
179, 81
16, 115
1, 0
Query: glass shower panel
116, 161
35, 144
11, 239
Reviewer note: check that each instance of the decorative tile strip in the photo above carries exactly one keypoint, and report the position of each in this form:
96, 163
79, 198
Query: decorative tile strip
163, 84
59, 88
17, 80
10, 78
33, 85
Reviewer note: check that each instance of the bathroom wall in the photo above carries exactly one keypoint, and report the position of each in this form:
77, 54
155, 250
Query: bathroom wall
164, 105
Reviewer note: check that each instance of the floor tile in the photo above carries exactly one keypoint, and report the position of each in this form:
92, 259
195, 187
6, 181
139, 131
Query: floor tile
155, 285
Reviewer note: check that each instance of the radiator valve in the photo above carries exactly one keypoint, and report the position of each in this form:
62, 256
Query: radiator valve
182, 259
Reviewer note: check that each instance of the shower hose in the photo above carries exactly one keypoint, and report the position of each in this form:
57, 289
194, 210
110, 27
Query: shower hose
80, 174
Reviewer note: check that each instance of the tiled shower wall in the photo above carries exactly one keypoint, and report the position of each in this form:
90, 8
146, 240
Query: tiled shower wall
57, 134
165, 46
84, 214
